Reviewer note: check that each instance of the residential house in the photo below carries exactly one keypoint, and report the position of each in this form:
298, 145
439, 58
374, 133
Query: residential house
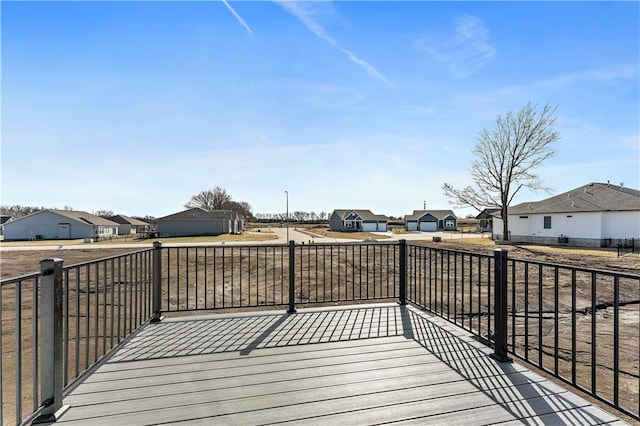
59, 224
486, 219
3, 219
129, 225
589, 216
357, 220
196, 221
431, 221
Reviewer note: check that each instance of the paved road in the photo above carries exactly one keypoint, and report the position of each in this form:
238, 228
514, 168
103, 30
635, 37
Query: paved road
281, 233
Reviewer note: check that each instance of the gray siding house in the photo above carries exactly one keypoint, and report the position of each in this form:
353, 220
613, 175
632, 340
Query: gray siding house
357, 221
197, 221
486, 218
59, 224
128, 225
431, 221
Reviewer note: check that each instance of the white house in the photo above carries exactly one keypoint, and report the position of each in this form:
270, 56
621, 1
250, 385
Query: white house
59, 224
592, 215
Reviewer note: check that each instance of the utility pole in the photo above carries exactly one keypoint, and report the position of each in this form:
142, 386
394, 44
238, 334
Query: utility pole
287, 217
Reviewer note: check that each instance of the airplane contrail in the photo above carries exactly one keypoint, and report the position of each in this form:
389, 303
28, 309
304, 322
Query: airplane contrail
238, 17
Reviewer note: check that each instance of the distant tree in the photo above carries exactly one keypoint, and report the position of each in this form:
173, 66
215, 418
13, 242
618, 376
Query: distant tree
218, 199
505, 159
210, 199
104, 213
240, 207
18, 211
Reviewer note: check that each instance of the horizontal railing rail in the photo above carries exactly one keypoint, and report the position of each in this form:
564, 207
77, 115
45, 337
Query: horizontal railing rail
578, 324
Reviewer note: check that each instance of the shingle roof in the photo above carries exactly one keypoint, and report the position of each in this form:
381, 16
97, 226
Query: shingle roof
366, 215
438, 214
488, 212
200, 214
126, 220
593, 197
85, 217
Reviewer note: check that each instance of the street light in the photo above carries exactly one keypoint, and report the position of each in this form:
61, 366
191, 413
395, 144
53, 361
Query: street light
287, 218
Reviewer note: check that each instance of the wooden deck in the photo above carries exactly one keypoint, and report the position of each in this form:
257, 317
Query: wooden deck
357, 365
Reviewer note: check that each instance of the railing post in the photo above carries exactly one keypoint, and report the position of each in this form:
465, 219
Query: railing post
500, 306
403, 272
157, 280
292, 277
51, 368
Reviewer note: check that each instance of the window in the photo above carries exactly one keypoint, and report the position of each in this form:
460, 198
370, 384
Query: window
547, 222
449, 223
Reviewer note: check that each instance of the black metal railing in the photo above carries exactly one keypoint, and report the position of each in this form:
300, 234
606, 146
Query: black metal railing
91, 308
455, 285
627, 247
223, 277
578, 324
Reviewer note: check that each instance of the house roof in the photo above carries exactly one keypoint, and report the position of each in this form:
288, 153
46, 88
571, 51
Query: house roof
488, 212
85, 217
4, 218
438, 214
126, 220
200, 214
593, 197
76, 215
366, 215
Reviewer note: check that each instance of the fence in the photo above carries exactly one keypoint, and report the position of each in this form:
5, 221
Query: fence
90, 308
578, 324
627, 247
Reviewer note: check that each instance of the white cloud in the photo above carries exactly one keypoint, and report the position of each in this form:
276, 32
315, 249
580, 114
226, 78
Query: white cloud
605, 74
238, 17
306, 12
466, 52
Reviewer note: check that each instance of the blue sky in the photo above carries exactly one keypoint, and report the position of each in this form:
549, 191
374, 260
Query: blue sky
135, 106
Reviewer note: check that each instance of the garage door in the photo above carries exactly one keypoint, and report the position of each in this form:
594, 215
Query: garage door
412, 226
369, 226
428, 226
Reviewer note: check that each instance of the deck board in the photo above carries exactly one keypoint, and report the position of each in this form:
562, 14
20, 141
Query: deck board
355, 365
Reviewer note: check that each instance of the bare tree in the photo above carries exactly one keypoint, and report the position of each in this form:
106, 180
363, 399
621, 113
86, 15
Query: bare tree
506, 158
210, 199
218, 199
104, 213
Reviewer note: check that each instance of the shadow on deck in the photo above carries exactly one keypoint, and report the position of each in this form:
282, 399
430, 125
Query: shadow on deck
355, 365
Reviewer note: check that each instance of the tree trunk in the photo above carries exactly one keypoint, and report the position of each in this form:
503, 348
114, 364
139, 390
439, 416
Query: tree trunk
505, 227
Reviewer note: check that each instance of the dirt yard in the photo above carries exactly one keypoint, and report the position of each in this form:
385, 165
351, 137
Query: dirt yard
14, 263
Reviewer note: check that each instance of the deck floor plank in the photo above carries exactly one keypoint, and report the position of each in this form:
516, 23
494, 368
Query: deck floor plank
354, 365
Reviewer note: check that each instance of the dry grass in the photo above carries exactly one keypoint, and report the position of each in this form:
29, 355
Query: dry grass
256, 276
325, 232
